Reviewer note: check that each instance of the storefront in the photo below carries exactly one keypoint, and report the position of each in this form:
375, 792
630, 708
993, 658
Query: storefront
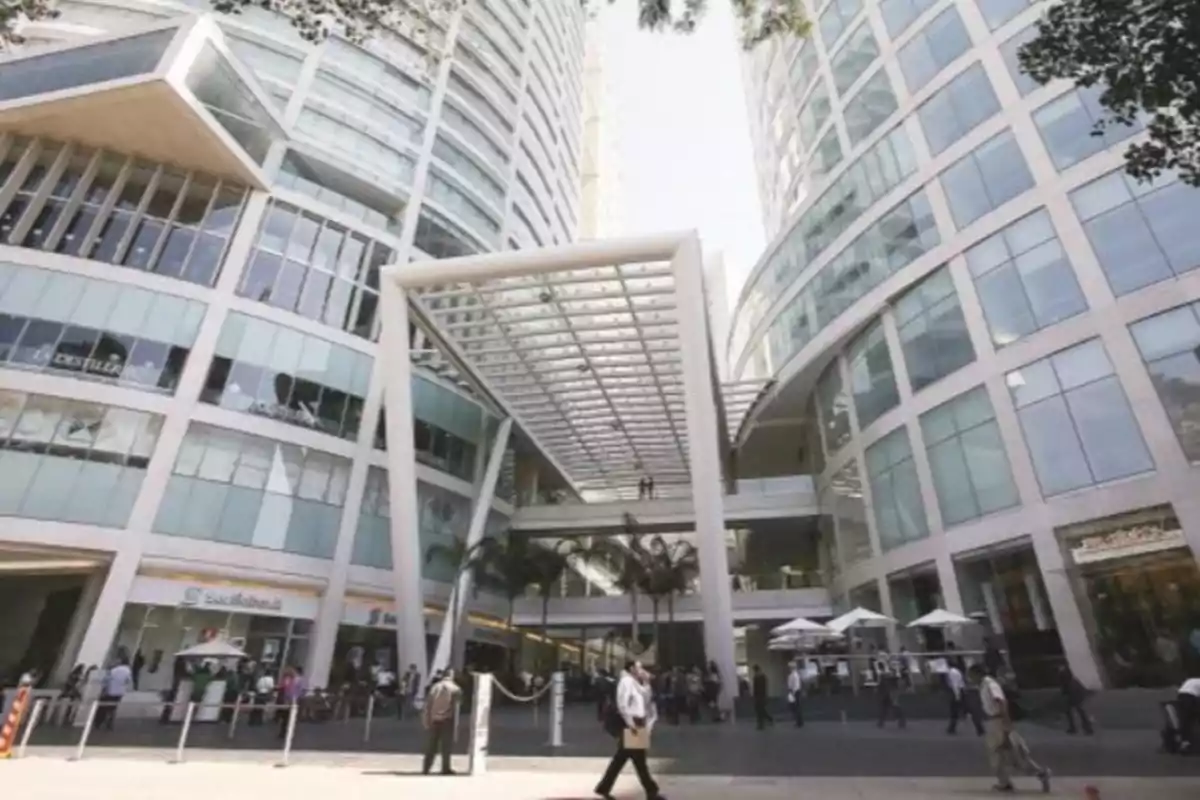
1138, 588
164, 615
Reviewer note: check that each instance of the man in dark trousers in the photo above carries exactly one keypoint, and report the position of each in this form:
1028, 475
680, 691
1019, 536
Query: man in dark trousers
758, 688
1074, 694
630, 721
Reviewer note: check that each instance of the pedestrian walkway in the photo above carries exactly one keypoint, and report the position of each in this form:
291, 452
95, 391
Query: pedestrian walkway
52, 778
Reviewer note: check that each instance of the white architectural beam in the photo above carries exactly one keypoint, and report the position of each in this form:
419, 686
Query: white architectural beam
463, 587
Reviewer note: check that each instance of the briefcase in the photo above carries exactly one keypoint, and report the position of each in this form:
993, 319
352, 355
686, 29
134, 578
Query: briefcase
636, 739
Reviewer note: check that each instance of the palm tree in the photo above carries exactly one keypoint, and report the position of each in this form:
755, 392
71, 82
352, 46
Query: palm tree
547, 565
627, 561
671, 570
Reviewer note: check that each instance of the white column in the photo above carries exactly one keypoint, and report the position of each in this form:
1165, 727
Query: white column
704, 456
1037, 604
402, 478
79, 625
93, 650
456, 606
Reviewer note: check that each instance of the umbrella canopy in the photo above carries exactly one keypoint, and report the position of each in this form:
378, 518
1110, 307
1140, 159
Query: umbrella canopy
940, 618
782, 644
216, 648
799, 625
859, 618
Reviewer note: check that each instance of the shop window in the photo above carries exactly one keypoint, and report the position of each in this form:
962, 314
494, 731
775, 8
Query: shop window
277, 372
70, 460
895, 491
1138, 585
971, 473
238, 488
64, 323
933, 331
1024, 279
1078, 425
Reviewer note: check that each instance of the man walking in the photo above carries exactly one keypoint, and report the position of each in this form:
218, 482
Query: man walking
1006, 749
1074, 694
795, 686
889, 698
635, 716
117, 682
959, 705
759, 691
438, 717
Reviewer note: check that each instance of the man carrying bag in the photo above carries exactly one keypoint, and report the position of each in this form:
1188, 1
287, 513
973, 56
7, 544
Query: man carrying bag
631, 721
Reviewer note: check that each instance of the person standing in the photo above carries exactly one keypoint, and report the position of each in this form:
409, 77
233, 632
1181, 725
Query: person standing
959, 703
635, 708
889, 698
441, 707
1187, 707
758, 690
117, 682
410, 688
712, 690
795, 686
1074, 695
695, 690
1006, 749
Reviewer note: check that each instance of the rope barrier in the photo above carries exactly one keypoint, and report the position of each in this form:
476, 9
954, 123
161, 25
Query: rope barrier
518, 698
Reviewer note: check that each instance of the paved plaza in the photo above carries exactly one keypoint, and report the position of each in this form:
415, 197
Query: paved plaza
119, 776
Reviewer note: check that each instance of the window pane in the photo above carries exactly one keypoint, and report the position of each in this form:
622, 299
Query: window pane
873, 384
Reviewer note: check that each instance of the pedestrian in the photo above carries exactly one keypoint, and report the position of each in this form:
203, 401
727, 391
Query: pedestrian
712, 686
650, 488
71, 695
679, 688
642, 489
762, 716
1074, 695
411, 688
1007, 751
993, 659
117, 682
956, 685
632, 723
264, 694
695, 694
889, 698
441, 708
795, 685
1187, 708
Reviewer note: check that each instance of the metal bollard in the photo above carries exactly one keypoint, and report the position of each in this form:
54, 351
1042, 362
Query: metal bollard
87, 730
291, 732
237, 710
370, 716
536, 702
34, 717
183, 733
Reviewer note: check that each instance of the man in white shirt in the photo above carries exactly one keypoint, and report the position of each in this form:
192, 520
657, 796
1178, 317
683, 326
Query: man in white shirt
117, 682
959, 701
1187, 707
795, 688
1006, 749
635, 704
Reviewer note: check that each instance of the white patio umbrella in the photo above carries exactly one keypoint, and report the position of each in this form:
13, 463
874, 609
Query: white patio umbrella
799, 625
782, 644
859, 618
216, 648
940, 618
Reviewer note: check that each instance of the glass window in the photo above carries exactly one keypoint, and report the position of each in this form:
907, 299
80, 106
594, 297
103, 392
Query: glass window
1067, 124
1077, 422
895, 491
1170, 346
998, 12
957, 108
985, 179
84, 65
1009, 50
231, 102
833, 405
970, 466
899, 14
938, 44
1024, 279
853, 58
849, 512
870, 106
1142, 233
836, 18
872, 381
933, 332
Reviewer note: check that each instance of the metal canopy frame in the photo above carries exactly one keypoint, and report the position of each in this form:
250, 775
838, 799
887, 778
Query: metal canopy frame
600, 354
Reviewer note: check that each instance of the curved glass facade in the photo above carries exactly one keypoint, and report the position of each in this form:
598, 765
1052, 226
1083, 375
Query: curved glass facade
220, 336
999, 329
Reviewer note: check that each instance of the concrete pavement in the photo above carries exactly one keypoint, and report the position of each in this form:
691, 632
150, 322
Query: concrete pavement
120, 778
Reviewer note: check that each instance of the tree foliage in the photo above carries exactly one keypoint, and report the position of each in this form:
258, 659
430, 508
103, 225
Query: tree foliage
1145, 54
358, 19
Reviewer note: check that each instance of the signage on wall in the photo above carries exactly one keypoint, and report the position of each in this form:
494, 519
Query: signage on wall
232, 600
266, 601
48, 356
1125, 542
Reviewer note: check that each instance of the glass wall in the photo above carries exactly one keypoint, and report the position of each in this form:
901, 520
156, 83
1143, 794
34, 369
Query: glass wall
1067, 123
934, 47
1170, 346
985, 179
1009, 50
85, 65
899, 14
64, 323
958, 108
998, 12
1024, 279
896, 491
317, 269
836, 18
233, 487
872, 381
833, 404
854, 57
869, 107
70, 460
277, 372
1078, 425
971, 473
849, 515
933, 332
447, 429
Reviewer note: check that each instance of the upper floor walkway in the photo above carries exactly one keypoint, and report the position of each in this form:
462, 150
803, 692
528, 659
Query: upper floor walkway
763, 499
752, 606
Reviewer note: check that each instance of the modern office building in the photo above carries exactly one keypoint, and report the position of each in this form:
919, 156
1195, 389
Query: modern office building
981, 336
194, 210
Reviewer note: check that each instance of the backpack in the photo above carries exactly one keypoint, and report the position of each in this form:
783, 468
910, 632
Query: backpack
613, 722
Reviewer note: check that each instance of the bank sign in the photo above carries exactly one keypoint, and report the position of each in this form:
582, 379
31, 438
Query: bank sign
264, 601
229, 600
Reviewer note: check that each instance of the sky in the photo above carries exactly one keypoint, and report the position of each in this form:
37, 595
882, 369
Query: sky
680, 135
